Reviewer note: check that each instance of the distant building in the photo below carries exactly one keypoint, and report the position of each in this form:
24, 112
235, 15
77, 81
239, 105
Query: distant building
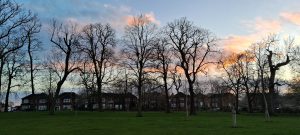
153, 101
35, 102
224, 101
40, 102
221, 101
66, 101
110, 101
179, 101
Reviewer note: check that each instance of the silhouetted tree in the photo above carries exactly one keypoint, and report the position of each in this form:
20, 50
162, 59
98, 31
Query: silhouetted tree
64, 58
139, 40
163, 58
193, 48
98, 40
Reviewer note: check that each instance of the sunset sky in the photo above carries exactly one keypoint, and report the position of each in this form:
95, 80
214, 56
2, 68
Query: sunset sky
237, 23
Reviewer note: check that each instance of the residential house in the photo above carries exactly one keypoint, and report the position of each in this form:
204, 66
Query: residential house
66, 101
179, 101
113, 101
221, 101
153, 101
35, 102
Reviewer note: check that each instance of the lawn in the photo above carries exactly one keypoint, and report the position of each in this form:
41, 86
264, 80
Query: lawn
153, 123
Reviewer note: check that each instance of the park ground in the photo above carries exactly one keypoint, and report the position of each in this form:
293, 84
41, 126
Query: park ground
153, 123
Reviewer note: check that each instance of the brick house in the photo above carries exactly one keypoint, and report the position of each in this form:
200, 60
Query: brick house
35, 102
221, 101
66, 101
113, 101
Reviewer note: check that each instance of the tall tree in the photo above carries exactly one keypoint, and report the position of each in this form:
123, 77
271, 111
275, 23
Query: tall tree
65, 57
262, 70
233, 72
275, 63
98, 40
12, 19
163, 58
193, 48
139, 40
31, 30
14, 64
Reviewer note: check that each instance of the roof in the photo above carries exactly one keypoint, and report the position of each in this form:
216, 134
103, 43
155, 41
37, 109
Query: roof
67, 94
41, 95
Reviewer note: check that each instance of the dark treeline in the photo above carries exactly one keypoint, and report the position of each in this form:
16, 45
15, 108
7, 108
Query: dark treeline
173, 58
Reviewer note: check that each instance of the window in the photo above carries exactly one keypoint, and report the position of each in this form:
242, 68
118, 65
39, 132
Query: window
67, 100
25, 101
42, 101
42, 107
67, 107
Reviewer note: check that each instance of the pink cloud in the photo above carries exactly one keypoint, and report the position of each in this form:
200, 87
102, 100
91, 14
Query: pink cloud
292, 17
258, 28
148, 17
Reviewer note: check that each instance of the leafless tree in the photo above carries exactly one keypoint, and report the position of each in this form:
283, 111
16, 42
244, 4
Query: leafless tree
275, 63
31, 30
65, 58
14, 64
139, 40
233, 75
98, 40
261, 63
164, 59
250, 81
193, 48
12, 19
87, 79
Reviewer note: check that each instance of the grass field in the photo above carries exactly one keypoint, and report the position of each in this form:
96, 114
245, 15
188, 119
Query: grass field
153, 123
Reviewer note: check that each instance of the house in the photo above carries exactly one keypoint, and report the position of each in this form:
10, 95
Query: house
153, 101
35, 102
39, 102
66, 101
221, 101
113, 101
179, 101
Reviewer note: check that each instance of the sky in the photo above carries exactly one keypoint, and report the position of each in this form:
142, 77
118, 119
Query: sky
237, 23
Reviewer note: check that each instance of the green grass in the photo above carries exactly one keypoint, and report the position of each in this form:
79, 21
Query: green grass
153, 123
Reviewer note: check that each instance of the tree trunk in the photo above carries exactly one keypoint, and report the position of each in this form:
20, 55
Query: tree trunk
99, 98
237, 102
7, 93
1, 71
271, 91
167, 109
139, 112
250, 109
267, 115
6, 99
234, 123
192, 103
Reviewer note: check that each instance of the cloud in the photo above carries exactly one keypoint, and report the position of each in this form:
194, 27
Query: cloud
258, 29
82, 12
292, 17
148, 17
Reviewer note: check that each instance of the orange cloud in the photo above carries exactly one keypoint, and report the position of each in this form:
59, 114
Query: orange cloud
147, 17
292, 17
259, 28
